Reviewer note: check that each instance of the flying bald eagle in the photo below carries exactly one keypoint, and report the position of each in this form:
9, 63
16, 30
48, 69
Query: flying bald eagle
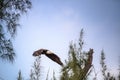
49, 54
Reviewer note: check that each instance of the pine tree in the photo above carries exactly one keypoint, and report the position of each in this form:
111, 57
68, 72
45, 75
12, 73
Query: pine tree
103, 65
19, 76
106, 74
79, 62
35, 71
10, 12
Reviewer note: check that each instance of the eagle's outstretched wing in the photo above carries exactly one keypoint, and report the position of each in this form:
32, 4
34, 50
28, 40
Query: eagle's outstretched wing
55, 58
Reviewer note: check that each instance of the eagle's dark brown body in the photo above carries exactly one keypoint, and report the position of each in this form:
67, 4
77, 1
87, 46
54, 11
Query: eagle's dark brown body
49, 54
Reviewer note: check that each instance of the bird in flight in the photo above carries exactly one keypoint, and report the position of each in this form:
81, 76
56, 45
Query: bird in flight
49, 54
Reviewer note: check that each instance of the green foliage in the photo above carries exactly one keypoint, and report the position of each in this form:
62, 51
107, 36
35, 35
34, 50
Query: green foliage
79, 62
6, 47
10, 12
103, 65
106, 74
35, 71
19, 76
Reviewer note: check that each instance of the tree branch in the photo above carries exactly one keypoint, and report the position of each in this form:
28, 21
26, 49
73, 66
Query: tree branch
88, 65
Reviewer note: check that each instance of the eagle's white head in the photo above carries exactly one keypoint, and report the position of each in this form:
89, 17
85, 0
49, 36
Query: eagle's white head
49, 52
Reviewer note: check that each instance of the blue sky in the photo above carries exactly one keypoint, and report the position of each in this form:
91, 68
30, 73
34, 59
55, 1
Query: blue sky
52, 24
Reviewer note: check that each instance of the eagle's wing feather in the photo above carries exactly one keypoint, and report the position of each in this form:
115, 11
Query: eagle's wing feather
55, 58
